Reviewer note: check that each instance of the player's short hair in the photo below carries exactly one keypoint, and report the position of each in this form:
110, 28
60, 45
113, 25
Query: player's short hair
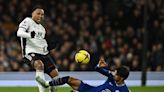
37, 7
123, 71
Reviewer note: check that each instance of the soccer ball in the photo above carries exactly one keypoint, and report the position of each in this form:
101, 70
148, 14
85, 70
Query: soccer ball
82, 57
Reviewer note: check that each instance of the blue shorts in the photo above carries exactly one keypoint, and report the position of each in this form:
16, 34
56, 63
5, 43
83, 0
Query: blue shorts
85, 87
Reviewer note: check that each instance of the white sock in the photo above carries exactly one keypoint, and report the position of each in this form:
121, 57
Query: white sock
53, 88
41, 75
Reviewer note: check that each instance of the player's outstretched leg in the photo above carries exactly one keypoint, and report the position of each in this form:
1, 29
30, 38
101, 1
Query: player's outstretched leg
54, 75
59, 81
73, 82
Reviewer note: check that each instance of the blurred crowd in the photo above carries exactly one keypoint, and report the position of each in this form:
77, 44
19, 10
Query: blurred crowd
110, 28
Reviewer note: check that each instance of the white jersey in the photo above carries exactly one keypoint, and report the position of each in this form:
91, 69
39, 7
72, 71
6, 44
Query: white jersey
38, 44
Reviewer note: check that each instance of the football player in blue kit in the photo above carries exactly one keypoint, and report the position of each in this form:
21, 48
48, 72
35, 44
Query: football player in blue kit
114, 83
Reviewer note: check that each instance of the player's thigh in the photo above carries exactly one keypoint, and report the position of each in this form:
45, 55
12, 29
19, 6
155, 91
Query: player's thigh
74, 83
84, 87
50, 67
54, 73
38, 65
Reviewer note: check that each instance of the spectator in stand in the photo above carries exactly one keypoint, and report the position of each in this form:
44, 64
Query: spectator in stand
90, 25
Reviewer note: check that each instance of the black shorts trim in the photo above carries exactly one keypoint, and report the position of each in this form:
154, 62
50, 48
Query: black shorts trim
48, 61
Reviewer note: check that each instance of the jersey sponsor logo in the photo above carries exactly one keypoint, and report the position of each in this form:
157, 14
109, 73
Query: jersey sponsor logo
106, 90
39, 35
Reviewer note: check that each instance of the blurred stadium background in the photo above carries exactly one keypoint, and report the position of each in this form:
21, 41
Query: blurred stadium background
128, 32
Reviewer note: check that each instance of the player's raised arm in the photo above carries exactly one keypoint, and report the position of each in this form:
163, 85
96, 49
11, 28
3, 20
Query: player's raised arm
100, 67
102, 62
22, 30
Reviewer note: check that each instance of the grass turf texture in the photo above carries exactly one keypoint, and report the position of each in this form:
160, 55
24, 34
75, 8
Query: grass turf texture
67, 89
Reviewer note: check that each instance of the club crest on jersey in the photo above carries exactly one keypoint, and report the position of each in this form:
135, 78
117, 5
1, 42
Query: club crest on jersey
106, 90
110, 83
32, 54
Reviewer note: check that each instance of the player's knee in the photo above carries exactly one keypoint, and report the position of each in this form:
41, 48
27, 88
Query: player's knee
70, 79
54, 73
57, 74
74, 82
38, 65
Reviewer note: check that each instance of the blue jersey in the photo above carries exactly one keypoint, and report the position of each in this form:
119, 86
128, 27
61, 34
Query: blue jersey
108, 86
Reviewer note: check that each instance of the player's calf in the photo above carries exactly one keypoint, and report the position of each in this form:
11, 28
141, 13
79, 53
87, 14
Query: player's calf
56, 82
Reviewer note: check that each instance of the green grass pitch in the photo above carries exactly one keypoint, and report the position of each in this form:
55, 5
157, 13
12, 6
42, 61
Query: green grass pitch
67, 89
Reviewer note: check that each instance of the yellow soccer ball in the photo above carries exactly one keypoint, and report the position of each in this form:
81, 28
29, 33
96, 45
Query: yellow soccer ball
82, 57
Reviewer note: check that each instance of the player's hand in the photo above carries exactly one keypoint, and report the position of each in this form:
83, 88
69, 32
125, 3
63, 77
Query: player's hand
102, 62
32, 34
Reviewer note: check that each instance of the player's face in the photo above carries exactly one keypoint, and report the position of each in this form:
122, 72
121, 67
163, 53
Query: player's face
116, 76
38, 15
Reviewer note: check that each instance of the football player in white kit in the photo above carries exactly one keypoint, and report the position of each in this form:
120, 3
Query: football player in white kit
34, 46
